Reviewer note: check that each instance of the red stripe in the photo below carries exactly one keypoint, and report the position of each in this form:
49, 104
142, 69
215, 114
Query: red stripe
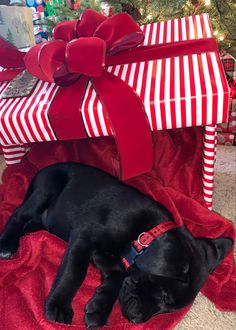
136, 76
203, 27
203, 90
162, 94
172, 93
193, 92
152, 93
165, 32
187, 28
182, 92
180, 29
172, 25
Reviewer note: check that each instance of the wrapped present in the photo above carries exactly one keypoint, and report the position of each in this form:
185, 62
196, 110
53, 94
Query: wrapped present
16, 26
121, 80
229, 64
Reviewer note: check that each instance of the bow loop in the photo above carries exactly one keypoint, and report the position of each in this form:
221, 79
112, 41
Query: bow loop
86, 56
65, 30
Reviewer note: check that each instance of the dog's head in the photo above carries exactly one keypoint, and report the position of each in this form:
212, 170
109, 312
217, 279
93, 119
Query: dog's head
169, 274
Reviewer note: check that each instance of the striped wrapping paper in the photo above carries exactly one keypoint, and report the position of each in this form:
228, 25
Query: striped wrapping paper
177, 92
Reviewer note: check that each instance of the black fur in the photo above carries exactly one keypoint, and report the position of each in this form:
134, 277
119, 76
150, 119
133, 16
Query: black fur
98, 216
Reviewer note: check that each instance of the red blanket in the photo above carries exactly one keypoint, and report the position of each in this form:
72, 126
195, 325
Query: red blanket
175, 182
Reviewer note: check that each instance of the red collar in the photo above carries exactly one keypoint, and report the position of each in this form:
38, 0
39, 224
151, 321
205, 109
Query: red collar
143, 241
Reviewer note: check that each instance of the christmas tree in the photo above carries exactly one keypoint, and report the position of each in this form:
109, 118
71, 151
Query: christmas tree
222, 14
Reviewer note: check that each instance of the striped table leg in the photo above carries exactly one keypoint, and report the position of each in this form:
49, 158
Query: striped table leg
209, 156
13, 154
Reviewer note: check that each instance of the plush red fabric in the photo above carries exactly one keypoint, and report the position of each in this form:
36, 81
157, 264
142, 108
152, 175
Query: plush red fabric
175, 181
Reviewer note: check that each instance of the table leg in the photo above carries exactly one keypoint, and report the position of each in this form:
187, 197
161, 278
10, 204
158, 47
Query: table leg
13, 154
209, 157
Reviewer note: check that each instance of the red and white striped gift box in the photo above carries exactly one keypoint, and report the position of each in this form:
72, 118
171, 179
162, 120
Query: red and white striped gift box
180, 91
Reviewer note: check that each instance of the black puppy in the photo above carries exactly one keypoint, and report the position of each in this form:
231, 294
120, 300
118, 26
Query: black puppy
100, 217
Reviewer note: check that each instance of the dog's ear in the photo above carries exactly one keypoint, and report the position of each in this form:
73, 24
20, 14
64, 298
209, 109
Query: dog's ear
214, 250
165, 257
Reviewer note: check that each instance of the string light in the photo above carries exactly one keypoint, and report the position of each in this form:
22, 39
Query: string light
207, 3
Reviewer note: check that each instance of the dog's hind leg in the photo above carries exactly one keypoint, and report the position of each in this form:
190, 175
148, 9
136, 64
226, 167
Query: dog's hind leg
43, 190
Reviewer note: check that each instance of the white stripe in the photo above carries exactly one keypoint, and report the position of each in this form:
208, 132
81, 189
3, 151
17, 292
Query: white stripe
208, 88
209, 161
2, 87
11, 162
176, 30
167, 94
124, 72
207, 26
191, 28
208, 192
209, 128
199, 28
116, 72
101, 119
91, 113
168, 38
154, 34
161, 35
210, 137
10, 150
198, 90
207, 184
147, 92
208, 145
187, 92
14, 116
207, 177
132, 73
145, 43
157, 95
207, 199
19, 154
177, 93
83, 109
208, 153
183, 25
208, 169
140, 78
220, 91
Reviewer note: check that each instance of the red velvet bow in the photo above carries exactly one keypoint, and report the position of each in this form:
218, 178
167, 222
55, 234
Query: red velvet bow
77, 55
80, 47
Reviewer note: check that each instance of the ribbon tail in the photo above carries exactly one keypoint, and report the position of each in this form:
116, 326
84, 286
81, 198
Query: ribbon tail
129, 122
64, 113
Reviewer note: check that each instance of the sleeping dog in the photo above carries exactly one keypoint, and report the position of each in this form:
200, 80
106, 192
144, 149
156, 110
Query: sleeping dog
146, 262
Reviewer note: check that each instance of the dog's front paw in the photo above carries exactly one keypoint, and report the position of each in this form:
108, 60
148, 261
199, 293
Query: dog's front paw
58, 312
7, 248
96, 315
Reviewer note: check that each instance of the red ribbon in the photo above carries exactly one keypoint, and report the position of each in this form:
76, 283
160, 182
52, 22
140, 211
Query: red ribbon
78, 55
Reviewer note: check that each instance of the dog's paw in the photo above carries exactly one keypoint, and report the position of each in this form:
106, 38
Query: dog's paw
96, 315
58, 312
7, 249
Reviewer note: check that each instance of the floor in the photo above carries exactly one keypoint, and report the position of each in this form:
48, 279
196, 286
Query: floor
203, 314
